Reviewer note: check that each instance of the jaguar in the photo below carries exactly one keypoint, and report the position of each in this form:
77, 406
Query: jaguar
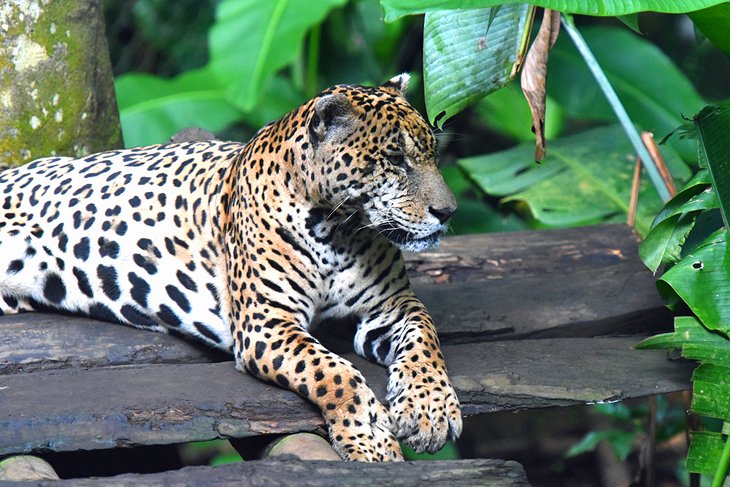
246, 247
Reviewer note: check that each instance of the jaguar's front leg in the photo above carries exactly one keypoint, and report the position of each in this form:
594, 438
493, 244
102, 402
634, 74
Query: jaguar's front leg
422, 400
272, 344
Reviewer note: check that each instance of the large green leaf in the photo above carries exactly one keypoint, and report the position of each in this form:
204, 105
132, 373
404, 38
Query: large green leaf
702, 280
153, 108
655, 93
711, 386
714, 145
470, 53
399, 8
585, 178
713, 23
278, 97
252, 39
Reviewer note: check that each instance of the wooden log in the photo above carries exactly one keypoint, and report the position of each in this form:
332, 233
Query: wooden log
472, 258
586, 303
106, 407
569, 283
41, 341
575, 282
291, 472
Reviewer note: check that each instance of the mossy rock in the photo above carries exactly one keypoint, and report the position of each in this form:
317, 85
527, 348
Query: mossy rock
56, 85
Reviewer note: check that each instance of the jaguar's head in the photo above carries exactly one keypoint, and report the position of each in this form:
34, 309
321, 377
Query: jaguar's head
377, 156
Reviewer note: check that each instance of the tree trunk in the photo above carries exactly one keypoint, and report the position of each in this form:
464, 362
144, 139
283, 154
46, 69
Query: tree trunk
56, 84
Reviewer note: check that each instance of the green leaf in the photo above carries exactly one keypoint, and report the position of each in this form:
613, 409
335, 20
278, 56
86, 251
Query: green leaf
663, 340
152, 109
367, 50
672, 225
653, 90
631, 21
621, 442
279, 98
716, 351
584, 178
506, 112
398, 8
711, 393
617, 107
252, 39
177, 29
474, 215
225, 458
463, 60
705, 451
697, 194
619, 411
714, 145
448, 452
663, 244
705, 200
702, 280
713, 22
695, 341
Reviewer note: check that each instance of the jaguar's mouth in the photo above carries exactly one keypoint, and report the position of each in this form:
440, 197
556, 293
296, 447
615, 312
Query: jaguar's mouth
408, 241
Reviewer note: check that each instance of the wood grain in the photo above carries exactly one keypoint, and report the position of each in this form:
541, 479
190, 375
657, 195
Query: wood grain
105, 407
290, 472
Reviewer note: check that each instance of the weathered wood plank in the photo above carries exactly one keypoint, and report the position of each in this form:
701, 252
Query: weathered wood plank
585, 303
470, 258
105, 407
570, 305
289, 472
586, 281
40, 341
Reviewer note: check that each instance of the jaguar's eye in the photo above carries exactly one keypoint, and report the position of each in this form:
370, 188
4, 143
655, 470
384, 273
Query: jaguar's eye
398, 159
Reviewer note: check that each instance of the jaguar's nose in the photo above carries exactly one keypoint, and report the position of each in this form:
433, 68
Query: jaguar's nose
442, 214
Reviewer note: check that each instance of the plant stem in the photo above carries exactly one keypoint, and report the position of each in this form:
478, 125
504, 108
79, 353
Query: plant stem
617, 107
724, 463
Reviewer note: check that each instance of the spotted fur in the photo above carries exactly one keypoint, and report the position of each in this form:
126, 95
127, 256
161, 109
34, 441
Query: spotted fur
246, 246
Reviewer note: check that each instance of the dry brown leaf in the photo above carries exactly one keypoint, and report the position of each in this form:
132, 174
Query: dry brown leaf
534, 76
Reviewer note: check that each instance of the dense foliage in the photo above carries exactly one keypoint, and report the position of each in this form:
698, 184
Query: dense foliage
690, 236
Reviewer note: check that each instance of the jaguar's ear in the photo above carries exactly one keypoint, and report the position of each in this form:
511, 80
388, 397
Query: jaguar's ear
331, 112
398, 85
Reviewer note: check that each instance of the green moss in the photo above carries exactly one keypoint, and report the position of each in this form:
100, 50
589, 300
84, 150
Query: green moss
56, 89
